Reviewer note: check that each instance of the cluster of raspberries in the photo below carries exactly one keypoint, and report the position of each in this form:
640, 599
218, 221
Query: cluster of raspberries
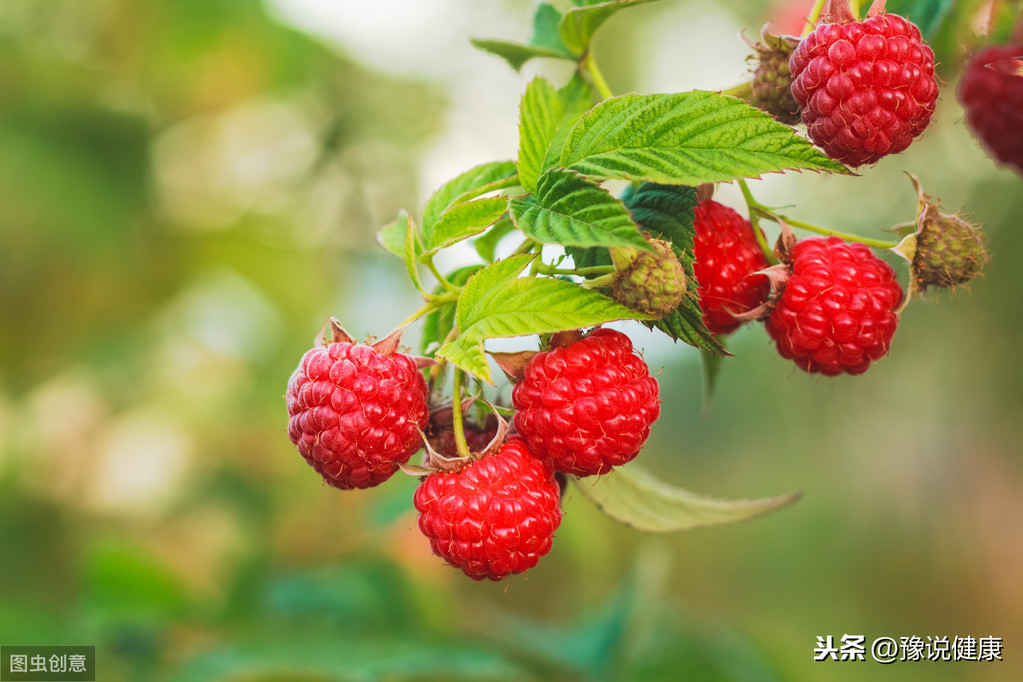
836, 308
866, 89
357, 414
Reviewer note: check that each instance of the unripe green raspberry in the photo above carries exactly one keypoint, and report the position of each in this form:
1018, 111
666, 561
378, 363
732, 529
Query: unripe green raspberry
653, 283
949, 250
772, 79
944, 250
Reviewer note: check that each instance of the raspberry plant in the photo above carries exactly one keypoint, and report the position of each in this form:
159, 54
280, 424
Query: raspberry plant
562, 252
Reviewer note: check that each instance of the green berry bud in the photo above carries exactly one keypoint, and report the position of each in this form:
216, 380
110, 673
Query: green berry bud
653, 282
944, 250
949, 250
772, 80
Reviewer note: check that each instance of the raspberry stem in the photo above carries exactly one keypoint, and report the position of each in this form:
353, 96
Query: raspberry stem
847, 236
755, 207
811, 20
526, 246
440, 278
433, 303
754, 221
461, 446
589, 64
545, 269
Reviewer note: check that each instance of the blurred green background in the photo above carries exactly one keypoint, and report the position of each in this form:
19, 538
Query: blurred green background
190, 187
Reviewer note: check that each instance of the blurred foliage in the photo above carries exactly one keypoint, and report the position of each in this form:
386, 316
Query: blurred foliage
190, 187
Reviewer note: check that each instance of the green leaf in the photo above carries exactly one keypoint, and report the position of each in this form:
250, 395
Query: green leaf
411, 251
496, 302
636, 498
546, 30
486, 243
516, 54
666, 211
685, 138
685, 324
578, 25
439, 322
470, 184
545, 40
462, 221
392, 237
540, 111
570, 211
576, 99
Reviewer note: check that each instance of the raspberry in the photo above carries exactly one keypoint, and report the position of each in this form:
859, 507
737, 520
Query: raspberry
495, 516
772, 80
727, 252
837, 311
866, 88
587, 406
991, 92
355, 413
652, 283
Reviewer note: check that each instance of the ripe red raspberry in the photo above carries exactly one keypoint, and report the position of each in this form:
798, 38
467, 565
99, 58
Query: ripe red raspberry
837, 311
727, 252
494, 517
355, 413
991, 92
866, 88
587, 406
